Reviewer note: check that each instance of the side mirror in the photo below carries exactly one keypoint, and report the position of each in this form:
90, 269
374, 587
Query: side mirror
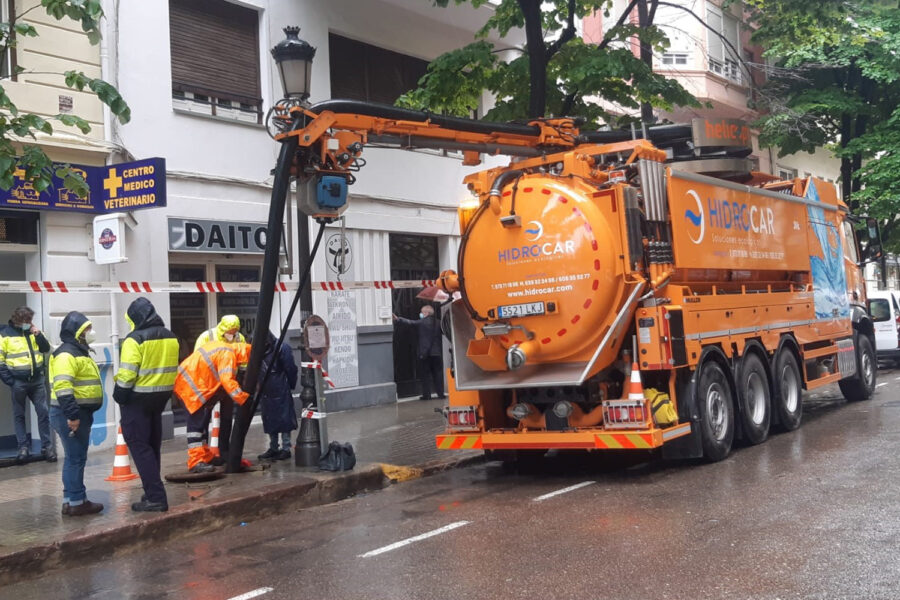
871, 241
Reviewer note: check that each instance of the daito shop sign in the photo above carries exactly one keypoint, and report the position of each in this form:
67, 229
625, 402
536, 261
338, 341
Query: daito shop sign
112, 188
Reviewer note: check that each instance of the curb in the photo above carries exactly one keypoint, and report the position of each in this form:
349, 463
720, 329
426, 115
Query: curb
202, 517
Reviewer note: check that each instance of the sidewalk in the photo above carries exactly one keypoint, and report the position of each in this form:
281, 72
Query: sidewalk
35, 535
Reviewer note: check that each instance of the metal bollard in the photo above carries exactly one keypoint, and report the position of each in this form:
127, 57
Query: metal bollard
307, 450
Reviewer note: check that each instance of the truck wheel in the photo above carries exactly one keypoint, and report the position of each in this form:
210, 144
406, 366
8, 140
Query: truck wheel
788, 402
716, 412
862, 385
755, 399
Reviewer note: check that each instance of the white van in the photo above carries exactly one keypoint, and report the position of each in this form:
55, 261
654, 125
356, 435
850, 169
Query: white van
885, 311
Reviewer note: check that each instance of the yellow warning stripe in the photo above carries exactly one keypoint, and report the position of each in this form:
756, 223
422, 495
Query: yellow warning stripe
621, 441
458, 442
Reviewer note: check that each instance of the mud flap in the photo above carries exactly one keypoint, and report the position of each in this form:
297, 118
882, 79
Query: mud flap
686, 446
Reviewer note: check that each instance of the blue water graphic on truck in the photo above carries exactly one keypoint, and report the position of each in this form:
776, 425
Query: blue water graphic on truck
828, 271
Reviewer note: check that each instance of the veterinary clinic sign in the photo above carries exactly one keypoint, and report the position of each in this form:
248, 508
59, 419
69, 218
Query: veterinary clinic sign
112, 188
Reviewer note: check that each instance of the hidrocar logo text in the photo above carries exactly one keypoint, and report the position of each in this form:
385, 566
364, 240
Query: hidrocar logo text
536, 251
722, 214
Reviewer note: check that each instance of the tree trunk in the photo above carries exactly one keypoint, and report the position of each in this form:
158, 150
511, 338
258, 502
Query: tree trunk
646, 20
537, 60
846, 163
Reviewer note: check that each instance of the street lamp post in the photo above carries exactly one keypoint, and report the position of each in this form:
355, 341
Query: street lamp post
294, 59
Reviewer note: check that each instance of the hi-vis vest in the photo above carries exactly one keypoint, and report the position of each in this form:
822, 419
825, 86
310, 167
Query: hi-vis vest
201, 374
148, 366
76, 376
20, 353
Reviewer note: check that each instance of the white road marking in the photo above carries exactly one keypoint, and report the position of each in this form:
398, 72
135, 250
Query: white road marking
253, 593
571, 488
881, 384
411, 540
896, 378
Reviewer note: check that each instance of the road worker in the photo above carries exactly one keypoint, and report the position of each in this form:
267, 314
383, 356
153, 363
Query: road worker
75, 395
22, 348
148, 364
227, 331
205, 377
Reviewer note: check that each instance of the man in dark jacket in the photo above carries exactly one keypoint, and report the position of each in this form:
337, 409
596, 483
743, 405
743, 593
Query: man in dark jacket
148, 365
22, 348
278, 414
428, 328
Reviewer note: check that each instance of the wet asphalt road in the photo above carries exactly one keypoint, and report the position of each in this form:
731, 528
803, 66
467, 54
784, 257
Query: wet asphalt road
809, 514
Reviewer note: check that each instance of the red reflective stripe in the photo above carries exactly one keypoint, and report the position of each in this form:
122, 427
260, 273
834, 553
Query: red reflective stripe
123, 286
62, 286
35, 286
391, 284
626, 443
220, 287
458, 442
340, 285
48, 286
324, 285
147, 287
377, 286
135, 286
200, 286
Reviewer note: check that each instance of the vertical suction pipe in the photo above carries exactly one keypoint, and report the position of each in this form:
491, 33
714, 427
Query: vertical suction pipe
280, 188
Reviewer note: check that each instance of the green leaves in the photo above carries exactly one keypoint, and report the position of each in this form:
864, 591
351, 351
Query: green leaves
26, 166
581, 78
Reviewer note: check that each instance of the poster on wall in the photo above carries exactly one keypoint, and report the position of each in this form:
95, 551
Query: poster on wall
343, 359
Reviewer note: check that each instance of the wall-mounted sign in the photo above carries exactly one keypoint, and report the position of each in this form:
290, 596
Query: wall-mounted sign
720, 132
66, 103
205, 235
109, 239
343, 357
113, 188
339, 254
316, 338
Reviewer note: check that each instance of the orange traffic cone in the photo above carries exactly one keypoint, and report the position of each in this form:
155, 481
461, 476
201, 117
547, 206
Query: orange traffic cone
121, 464
214, 434
635, 389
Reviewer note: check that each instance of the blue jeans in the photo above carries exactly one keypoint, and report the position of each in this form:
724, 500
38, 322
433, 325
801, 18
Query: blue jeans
285, 440
36, 390
76, 448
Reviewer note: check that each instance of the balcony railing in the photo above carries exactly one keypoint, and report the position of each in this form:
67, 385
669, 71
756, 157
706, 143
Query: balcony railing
728, 68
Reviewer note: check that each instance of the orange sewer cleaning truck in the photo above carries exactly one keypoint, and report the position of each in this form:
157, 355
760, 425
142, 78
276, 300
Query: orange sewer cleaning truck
624, 291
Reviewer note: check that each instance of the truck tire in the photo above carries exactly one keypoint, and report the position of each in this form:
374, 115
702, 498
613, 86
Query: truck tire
755, 399
788, 400
862, 385
716, 405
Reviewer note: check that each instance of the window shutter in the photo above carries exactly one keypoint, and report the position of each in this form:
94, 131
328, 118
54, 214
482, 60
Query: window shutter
714, 45
215, 49
360, 71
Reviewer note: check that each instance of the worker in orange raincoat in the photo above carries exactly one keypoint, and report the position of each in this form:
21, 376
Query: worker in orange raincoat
204, 377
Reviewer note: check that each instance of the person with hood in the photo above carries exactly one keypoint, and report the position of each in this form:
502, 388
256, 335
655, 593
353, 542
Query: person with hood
22, 348
228, 332
206, 376
76, 393
278, 414
428, 329
148, 364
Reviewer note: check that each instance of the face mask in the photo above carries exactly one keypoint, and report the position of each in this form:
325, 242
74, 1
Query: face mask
90, 337
229, 337
25, 326
421, 315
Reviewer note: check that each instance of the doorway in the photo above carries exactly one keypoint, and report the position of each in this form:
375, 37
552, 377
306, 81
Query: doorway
12, 268
412, 257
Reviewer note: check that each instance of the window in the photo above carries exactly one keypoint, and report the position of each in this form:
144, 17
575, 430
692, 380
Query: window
360, 71
880, 310
723, 28
8, 61
675, 58
786, 172
215, 59
850, 252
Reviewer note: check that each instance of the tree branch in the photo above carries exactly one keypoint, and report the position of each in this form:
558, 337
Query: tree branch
606, 39
567, 34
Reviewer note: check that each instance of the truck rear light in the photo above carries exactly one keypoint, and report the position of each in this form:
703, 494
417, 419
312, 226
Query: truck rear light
462, 417
625, 413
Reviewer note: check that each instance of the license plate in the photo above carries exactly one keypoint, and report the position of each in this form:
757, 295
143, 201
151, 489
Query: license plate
520, 310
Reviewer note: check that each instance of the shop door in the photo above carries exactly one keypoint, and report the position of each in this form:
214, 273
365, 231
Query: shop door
412, 257
189, 319
241, 304
12, 268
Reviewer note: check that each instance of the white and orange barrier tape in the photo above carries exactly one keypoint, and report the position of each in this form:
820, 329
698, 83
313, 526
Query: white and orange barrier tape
206, 287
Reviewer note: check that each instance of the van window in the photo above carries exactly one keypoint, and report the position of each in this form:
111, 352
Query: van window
880, 309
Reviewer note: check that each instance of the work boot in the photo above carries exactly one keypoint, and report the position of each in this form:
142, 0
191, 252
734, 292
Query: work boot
217, 461
85, 508
147, 506
270, 454
23, 455
202, 467
49, 454
283, 454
